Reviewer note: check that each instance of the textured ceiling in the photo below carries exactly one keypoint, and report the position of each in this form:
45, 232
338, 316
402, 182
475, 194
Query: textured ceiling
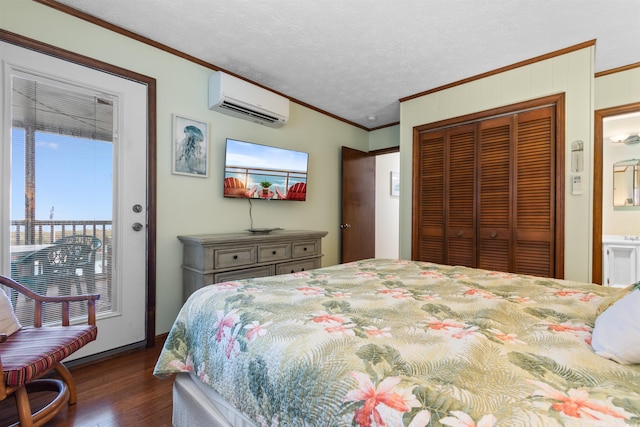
357, 58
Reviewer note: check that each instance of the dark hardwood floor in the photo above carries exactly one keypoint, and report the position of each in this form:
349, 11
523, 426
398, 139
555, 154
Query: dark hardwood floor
115, 392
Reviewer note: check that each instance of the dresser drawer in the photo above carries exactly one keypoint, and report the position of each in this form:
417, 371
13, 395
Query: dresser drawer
305, 248
274, 252
247, 273
216, 258
297, 266
236, 257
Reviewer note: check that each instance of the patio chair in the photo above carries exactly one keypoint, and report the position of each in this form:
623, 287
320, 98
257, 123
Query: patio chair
234, 187
28, 354
50, 266
81, 250
297, 191
61, 264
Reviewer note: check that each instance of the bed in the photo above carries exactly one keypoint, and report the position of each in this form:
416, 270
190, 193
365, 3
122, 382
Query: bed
400, 343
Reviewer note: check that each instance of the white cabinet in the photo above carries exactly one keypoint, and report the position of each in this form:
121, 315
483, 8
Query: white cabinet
621, 258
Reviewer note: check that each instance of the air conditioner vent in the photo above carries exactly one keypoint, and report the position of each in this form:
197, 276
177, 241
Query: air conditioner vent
240, 98
239, 109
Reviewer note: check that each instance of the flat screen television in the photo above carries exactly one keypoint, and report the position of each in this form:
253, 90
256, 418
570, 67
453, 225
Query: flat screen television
262, 172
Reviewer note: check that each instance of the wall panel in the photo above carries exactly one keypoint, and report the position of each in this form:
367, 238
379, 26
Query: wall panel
571, 73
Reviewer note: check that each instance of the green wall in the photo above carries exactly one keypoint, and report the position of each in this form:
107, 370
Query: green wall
194, 205
572, 74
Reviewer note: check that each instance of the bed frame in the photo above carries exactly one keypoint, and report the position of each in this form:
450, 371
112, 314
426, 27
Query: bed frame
194, 404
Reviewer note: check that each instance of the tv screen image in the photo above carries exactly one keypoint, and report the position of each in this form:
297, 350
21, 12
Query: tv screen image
256, 171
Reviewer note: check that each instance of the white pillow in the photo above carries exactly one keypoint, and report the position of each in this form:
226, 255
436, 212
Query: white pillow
616, 334
8, 321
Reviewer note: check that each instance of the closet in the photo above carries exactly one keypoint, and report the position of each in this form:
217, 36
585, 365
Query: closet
488, 192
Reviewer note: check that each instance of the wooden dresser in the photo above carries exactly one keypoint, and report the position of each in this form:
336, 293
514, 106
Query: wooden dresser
215, 258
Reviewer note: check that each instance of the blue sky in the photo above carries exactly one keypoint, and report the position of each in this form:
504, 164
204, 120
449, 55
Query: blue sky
244, 154
73, 175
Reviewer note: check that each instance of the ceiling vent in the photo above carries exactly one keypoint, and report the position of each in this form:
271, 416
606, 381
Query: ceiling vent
239, 98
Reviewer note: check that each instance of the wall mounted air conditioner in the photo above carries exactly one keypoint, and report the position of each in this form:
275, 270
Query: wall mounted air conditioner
238, 98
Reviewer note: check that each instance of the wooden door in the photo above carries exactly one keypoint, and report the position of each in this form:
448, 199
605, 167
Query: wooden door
487, 193
534, 195
446, 218
429, 198
358, 205
494, 194
460, 187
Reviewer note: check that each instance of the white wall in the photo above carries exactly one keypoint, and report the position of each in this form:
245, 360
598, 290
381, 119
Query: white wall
387, 207
188, 205
613, 90
571, 73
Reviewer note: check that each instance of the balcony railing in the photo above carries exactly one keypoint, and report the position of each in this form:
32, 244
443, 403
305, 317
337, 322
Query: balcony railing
30, 236
46, 232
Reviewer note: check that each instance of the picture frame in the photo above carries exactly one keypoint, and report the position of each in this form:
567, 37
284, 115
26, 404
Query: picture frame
395, 184
190, 147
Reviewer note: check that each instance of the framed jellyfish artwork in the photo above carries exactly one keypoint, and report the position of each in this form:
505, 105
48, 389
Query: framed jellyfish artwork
190, 147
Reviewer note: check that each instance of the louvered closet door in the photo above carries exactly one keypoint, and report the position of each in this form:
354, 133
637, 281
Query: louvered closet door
486, 194
494, 194
460, 196
534, 198
430, 213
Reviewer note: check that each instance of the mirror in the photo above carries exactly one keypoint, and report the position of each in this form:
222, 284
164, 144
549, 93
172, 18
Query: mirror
626, 183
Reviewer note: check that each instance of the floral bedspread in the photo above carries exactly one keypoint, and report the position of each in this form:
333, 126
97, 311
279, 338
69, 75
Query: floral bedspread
400, 343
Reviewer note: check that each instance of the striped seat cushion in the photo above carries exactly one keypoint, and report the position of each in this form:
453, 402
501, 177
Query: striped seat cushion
30, 352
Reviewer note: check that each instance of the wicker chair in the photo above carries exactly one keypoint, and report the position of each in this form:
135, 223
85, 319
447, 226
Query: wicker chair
31, 353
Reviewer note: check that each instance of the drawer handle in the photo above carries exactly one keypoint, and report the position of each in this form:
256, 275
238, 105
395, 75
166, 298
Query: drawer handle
273, 253
305, 248
459, 233
493, 234
293, 271
235, 257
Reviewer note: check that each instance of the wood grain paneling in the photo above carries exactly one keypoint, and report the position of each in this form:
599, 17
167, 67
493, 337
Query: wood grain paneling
534, 215
494, 193
460, 182
430, 190
491, 187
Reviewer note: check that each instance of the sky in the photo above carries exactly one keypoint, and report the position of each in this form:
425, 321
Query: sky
276, 162
73, 177
245, 154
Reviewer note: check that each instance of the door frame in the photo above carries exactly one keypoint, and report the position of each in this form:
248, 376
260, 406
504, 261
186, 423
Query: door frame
357, 177
558, 101
150, 83
369, 154
598, 168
